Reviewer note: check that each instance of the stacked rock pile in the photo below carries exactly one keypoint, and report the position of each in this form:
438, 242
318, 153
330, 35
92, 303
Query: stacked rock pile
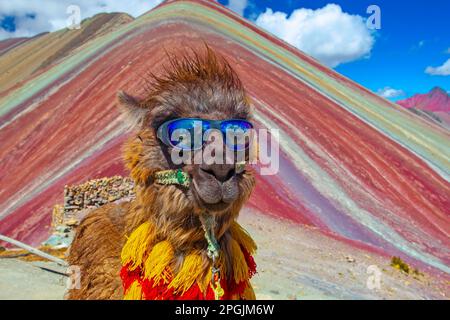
80, 199
95, 193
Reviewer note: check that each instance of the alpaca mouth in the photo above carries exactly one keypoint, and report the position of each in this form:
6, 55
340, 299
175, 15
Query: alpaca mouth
213, 203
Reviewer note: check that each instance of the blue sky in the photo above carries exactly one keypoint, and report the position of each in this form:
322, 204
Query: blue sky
409, 54
413, 36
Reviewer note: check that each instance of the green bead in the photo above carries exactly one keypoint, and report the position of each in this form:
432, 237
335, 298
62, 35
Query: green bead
172, 177
180, 177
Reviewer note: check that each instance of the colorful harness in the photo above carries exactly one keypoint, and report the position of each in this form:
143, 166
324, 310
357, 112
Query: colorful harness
147, 274
147, 266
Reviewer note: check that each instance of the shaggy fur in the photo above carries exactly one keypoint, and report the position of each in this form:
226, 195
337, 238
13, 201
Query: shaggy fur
192, 85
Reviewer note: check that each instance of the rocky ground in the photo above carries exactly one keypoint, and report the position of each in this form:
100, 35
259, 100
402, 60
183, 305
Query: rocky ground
30, 280
294, 262
299, 262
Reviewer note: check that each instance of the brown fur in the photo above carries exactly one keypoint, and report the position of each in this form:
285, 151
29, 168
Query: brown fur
193, 86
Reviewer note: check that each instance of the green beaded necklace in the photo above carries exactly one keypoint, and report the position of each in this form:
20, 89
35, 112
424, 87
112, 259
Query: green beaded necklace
173, 177
182, 178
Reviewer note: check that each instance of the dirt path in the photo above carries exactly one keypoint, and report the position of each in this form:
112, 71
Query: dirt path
297, 262
27, 280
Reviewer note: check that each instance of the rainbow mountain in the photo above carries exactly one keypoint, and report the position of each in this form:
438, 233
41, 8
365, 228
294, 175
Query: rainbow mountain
354, 167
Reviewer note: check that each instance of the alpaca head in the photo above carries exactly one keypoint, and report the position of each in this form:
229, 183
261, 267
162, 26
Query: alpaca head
193, 86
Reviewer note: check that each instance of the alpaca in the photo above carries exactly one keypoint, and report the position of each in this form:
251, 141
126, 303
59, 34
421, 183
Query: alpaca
174, 240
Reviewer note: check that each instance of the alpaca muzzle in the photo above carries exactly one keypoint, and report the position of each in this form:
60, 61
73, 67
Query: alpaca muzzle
215, 186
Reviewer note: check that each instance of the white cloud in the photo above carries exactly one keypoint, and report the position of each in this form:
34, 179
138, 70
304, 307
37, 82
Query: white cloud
328, 34
238, 6
443, 70
447, 51
51, 15
389, 93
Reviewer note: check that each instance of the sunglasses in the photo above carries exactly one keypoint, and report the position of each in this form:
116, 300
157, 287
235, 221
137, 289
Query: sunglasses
189, 133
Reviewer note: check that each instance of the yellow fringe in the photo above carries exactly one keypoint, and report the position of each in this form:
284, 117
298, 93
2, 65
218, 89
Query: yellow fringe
134, 292
240, 268
190, 271
205, 282
134, 250
157, 265
249, 293
222, 262
157, 262
242, 237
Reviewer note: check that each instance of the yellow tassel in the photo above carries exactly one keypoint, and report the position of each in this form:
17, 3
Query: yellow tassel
249, 293
157, 262
190, 271
204, 278
240, 268
157, 265
134, 292
242, 237
218, 291
222, 263
205, 281
134, 250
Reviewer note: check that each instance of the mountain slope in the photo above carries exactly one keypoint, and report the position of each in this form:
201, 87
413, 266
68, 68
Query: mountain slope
8, 44
355, 166
31, 55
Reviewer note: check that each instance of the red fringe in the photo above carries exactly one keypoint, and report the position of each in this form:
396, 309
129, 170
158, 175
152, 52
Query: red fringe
250, 262
129, 276
161, 291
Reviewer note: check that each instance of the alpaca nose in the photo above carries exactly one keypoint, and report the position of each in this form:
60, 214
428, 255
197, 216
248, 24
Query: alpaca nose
222, 172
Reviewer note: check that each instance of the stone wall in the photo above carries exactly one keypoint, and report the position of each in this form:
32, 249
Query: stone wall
89, 195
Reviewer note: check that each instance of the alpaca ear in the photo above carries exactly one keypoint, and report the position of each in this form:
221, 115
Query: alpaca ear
134, 112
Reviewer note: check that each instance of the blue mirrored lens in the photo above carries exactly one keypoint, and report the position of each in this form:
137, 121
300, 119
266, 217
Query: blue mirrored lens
187, 134
236, 133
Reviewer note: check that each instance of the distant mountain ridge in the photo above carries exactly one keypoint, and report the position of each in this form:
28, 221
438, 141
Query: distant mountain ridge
437, 100
433, 106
